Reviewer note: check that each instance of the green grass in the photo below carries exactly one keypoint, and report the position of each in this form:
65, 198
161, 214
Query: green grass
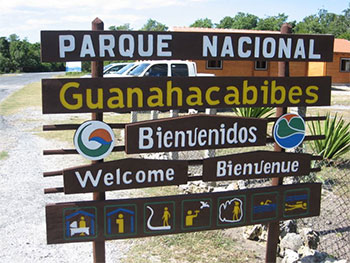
206, 246
3, 155
76, 74
28, 96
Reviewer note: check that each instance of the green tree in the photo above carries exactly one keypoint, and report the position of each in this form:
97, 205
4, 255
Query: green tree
273, 23
153, 25
13, 37
5, 64
325, 23
244, 21
124, 27
204, 23
4, 47
226, 22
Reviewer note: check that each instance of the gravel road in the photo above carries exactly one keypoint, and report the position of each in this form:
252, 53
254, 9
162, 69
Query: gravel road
22, 217
9, 83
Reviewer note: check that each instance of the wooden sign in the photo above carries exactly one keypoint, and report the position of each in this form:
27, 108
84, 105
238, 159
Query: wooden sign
259, 164
163, 93
142, 45
124, 174
131, 218
194, 132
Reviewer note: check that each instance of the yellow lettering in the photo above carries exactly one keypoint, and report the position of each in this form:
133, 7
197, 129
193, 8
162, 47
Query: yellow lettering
169, 93
158, 98
274, 90
77, 97
208, 95
314, 96
233, 97
265, 90
249, 89
116, 101
138, 92
295, 91
194, 99
99, 103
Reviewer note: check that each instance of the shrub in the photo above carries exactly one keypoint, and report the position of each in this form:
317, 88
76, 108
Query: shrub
337, 141
254, 112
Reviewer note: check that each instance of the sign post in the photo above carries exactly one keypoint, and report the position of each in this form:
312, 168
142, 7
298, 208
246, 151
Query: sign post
99, 253
273, 231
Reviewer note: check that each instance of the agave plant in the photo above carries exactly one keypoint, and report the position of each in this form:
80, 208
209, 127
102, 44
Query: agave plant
337, 141
254, 112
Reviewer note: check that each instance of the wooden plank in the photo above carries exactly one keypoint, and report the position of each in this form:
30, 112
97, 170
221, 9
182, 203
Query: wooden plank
59, 46
124, 174
118, 148
131, 218
64, 127
308, 118
194, 132
81, 95
253, 165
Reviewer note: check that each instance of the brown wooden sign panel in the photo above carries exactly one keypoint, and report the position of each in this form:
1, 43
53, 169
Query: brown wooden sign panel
259, 164
124, 174
130, 218
194, 132
163, 93
142, 45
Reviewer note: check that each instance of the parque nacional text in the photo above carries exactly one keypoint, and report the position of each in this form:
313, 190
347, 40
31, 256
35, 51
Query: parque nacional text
124, 45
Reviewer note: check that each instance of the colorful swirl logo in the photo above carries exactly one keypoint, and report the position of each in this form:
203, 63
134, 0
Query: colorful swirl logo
94, 140
289, 131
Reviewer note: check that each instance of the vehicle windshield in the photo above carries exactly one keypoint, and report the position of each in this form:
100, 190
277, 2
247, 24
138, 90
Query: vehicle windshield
139, 69
107, 67
124, 69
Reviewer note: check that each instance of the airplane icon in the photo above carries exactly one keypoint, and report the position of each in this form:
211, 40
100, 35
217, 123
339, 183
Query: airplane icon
204, 204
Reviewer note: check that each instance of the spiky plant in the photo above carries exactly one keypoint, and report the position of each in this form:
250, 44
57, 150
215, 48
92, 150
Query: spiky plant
254, 112
337, 141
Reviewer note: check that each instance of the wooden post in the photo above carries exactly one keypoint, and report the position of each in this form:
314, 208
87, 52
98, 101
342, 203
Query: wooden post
273, 228
97, 71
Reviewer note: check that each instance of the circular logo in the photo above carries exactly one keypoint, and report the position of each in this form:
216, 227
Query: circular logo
94, 140
289, 131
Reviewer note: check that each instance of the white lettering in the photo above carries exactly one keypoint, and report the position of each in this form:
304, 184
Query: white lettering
149, 51
162, 45
126, 52
300, 49
211, 46
107, 47
145, 138
227, 48
66, 48
269, 43
88, 177
87, 48
169, 174
295, 166
241, 42
108, 179
285, 48
220, 168
311, 50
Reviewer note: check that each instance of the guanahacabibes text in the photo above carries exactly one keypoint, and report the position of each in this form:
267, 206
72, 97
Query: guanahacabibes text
130, 94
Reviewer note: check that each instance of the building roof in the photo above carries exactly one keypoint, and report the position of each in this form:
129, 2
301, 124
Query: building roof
220, 30
341, 45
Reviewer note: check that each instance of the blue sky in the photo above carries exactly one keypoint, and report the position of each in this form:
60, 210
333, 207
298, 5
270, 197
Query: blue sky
27, 17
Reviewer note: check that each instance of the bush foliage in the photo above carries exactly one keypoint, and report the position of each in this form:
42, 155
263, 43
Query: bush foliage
254, 112
337, 141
